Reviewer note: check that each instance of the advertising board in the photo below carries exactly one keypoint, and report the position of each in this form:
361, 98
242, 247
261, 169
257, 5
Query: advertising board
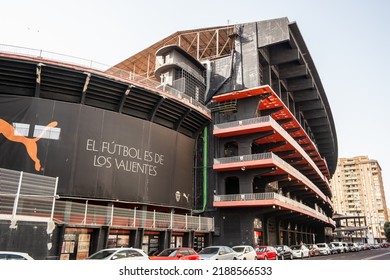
96, 153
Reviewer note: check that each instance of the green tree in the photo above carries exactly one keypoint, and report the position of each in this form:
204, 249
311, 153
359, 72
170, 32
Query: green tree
387, 230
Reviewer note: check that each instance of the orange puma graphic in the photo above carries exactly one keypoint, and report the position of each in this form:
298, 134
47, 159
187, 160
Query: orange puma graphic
30, 143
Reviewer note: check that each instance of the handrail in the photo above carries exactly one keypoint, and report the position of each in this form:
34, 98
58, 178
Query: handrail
242, 122
32, 197
270, 196
263, 156
243, 158
82, 214
281, 131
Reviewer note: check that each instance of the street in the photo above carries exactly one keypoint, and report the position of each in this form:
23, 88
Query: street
374, 254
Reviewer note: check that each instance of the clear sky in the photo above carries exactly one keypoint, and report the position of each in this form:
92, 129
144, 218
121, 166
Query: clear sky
348, 40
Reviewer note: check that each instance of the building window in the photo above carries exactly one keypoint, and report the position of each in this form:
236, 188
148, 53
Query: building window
118, 240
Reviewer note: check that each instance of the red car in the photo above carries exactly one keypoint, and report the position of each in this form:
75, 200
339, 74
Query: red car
177, 254
266, 253
314, 250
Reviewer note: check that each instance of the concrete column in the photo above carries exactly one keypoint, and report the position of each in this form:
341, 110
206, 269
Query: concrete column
165, 239
244, 148
246, 183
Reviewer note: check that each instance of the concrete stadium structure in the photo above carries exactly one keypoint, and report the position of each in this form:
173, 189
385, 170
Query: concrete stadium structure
219, 135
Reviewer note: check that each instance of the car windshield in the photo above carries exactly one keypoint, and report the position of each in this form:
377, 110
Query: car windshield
321, 245
239, 249
209, 251
168, 253
102, 254
295, 247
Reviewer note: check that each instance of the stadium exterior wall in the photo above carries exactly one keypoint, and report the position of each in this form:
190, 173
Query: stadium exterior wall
100, 154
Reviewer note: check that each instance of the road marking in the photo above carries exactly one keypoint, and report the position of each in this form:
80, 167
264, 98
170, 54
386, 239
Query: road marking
376, 256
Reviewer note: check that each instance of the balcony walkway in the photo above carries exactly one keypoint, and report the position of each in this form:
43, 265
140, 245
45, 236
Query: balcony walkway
267, 123
269, 199
31, 197
267, 160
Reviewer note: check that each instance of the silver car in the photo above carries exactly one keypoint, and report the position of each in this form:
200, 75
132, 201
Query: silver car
11, 255
218, 253
245, 252
119, 254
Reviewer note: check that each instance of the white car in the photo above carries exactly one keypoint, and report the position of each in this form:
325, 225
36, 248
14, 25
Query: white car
10, 255
245, 252
324, 248
300, 251
339, 246
119, 254
218, 253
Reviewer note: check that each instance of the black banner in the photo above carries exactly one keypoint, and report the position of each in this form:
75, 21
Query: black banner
96, 153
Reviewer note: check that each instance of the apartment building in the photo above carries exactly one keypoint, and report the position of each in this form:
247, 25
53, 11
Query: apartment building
358, 191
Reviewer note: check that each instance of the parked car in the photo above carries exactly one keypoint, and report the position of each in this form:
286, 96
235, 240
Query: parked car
245, 252
385, 244
119, 254
353, 247
346, 248
300, 251
333, 249
10, 255
218, 253
364, 246
284, 252
177, 254
313, 250
361, 246
266, 253
339, 246
324, 248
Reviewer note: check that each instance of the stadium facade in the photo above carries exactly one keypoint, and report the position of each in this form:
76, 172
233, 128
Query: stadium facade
219, 135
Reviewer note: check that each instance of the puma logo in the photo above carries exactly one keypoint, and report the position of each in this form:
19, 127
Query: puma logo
30, 143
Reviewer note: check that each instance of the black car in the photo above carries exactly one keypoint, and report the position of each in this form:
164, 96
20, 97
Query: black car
284, 252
